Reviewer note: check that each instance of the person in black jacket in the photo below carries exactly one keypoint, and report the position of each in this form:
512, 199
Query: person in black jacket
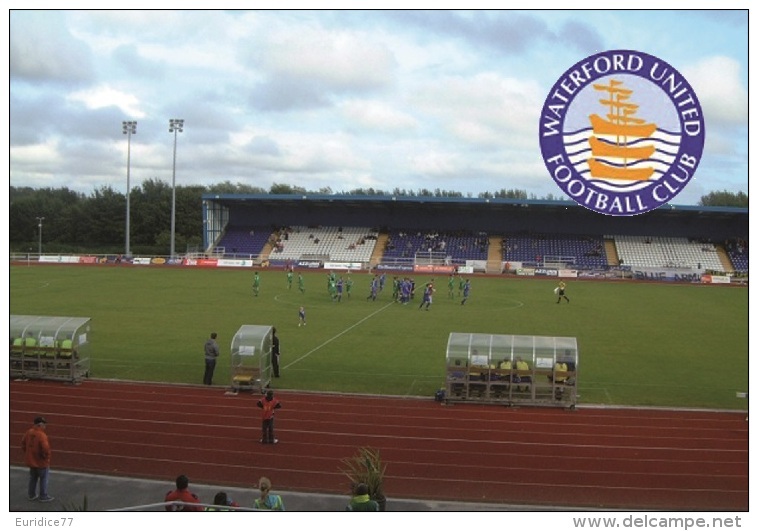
275, 352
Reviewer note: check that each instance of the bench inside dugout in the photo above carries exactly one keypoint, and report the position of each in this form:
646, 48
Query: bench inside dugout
512, 369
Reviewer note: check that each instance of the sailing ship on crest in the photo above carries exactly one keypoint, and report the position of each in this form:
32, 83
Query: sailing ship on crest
620, 134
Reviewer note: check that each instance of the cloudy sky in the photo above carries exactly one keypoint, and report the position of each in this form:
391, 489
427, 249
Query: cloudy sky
340, 99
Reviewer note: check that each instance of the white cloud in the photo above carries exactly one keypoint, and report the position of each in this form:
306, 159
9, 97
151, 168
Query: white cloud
377, 115
104, 96
43, 50
437, 163
721, 92
338, 60
486, 109
38, 159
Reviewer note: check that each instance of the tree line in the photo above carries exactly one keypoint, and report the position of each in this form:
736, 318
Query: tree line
96, 223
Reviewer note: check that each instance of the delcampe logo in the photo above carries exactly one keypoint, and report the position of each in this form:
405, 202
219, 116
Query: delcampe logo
622, 132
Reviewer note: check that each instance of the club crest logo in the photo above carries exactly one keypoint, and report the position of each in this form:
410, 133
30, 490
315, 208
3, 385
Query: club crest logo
622, 132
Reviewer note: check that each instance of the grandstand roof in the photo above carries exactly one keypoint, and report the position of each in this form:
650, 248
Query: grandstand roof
462, 203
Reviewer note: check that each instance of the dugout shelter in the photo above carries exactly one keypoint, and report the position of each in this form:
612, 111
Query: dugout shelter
251, 358
50, 347
512, 369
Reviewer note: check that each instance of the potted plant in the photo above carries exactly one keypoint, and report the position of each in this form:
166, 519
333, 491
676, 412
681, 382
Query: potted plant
366, 467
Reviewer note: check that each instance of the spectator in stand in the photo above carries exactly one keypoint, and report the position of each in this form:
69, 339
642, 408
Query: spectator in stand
268, 501
181, 499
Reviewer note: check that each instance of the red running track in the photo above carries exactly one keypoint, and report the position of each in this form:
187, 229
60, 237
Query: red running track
587, 458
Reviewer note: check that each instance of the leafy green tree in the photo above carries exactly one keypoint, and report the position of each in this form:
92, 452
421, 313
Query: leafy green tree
151, 212
53, 204
510, 194
227, 187
102, 219
286, 189
189, 217
725, 199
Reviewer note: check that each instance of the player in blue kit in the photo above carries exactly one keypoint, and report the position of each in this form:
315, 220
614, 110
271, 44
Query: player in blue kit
466, 291
427, 297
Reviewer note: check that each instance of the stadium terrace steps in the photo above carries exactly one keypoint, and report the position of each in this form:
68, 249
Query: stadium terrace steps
381, 245
726, 263
610, 252
495, 249
495, 254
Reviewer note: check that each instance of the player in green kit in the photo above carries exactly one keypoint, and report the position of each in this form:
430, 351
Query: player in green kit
256, 284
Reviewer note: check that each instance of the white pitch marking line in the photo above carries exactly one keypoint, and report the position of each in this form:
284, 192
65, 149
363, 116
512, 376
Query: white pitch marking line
345, 331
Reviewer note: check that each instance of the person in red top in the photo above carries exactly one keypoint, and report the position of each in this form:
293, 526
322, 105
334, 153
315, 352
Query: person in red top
269, 404
37, 453
190, 501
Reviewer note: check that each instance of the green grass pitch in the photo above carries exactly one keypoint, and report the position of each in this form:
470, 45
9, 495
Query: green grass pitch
639, 343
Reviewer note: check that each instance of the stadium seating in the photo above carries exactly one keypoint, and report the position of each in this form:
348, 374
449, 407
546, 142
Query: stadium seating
357, 244
244, 241
737, 250
648, 251
338, 244
587, 252
458, 246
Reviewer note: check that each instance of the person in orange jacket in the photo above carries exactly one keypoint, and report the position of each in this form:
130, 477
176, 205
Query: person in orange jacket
269, 404
37, 453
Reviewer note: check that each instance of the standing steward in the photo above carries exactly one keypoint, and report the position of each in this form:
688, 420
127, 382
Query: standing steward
269, 405
211, 353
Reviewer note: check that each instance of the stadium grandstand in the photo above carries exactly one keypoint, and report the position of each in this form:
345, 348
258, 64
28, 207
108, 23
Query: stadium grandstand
490, 235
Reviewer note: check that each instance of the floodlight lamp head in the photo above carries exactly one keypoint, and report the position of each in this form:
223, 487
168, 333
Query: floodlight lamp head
175, 124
